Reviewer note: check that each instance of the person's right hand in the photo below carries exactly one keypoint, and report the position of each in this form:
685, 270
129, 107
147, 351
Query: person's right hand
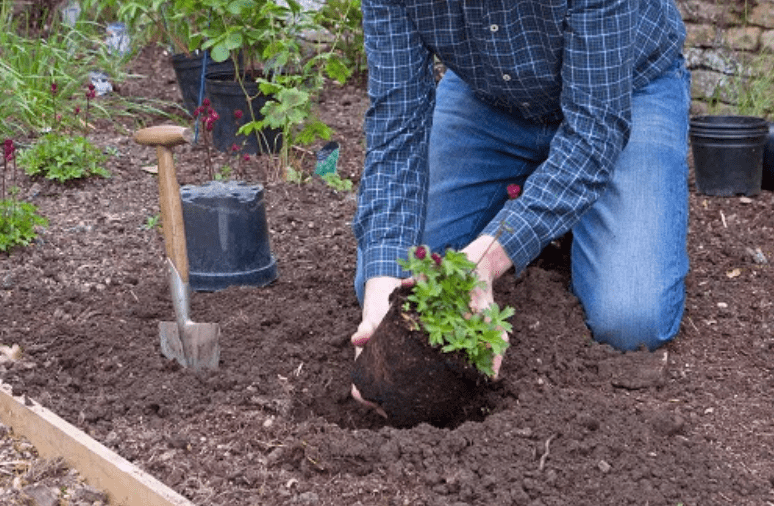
376, 303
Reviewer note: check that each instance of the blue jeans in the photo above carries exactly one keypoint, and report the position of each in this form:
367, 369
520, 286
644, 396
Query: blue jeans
629, 255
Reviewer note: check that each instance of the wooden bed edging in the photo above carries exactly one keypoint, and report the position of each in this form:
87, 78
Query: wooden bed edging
123, 482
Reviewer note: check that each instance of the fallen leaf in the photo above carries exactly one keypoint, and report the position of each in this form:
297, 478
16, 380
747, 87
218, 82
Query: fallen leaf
734, 273
151, 169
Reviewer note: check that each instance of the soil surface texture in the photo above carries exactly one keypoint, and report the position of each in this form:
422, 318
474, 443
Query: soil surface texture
571, 422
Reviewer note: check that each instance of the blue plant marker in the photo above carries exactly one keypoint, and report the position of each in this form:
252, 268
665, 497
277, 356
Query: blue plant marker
327, 158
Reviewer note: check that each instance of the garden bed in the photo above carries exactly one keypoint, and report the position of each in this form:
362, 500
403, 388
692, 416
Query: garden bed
571, 422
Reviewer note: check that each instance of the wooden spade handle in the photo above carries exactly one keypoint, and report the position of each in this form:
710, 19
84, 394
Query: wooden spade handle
164, 135
164, 138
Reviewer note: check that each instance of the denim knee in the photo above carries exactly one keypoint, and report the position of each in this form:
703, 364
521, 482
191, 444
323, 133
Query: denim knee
632, 323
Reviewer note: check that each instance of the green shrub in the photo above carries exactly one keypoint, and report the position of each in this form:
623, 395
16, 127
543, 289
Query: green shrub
63, 158
17, 223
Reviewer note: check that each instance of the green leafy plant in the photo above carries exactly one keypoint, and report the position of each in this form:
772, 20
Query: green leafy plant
336, 182
292, 76
63, 158
755, 88
346, 17
178, 22
17, 219
441, 298
152, 222
272, 39
17, 223
63, 55
296, 176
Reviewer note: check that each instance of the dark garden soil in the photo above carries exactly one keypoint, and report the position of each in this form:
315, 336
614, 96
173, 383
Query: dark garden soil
570, 423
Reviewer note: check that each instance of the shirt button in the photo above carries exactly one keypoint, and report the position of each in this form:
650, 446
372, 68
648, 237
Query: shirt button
493, 28
506, 77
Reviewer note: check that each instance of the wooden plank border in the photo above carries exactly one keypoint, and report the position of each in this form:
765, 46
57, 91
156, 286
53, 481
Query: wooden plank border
123, 482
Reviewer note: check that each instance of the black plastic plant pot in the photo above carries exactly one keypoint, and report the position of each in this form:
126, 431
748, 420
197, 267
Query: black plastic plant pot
188, 70
226, 96
227, 236
767, 179
728, 154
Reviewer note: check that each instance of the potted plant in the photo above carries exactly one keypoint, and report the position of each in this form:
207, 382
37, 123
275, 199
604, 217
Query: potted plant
179, 24
427, 360
278, 77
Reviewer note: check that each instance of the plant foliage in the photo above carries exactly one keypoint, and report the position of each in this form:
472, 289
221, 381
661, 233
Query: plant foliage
441, 298
17, 223
63, 158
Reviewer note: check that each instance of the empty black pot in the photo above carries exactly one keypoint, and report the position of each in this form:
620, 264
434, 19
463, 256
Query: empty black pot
728, 154
767, 179
188, 70
227, 96
227, 236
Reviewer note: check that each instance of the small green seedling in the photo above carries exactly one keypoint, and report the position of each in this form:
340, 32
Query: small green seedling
152, 222
336, 182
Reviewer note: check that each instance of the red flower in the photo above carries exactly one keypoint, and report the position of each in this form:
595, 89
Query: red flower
238, 114
436, 258
246, 157
234, 147
53, 88
420, 253
514, 191
209, 123
77, 110
8, 149
206, 102
91, 87
198, 111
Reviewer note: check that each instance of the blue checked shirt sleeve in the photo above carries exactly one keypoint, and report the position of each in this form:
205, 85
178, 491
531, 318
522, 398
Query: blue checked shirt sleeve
597, 80
393, 188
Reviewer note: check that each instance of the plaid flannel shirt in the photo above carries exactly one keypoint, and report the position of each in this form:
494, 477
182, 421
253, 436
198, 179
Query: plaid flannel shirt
548, 60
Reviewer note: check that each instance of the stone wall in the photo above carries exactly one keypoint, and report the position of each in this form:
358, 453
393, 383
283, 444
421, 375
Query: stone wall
730, 51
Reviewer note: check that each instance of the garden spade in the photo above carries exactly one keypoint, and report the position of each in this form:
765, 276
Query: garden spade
194, 345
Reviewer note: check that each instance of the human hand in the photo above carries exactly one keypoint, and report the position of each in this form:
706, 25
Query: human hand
376, 303
491, 263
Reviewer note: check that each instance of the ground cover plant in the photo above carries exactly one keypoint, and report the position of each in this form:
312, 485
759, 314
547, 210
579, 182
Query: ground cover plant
570, 422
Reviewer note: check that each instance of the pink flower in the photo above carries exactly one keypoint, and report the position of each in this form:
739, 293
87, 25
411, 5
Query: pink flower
209, 123
77, 110
206, 102
420, 253
238, 114
198, 111
234, 147
246, 157
214, 116
514, 191
436, 258
92, 92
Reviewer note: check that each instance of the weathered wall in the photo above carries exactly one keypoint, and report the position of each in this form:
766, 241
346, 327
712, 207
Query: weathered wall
728, 41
